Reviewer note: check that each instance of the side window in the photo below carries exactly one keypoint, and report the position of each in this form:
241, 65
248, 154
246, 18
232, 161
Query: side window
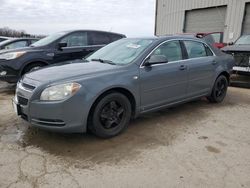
171, 50
14, 45
98, 38
208, 51
195, 49
76, 39
114, 37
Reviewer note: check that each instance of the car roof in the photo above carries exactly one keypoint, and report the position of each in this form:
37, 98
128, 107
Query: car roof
15, 39
180, 37
169, 37
5, 37
71, 31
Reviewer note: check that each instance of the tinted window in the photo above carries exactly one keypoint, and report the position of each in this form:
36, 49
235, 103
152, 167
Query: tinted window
195, 49
171, 50
98, 38
14, 45
114, 37
76, 39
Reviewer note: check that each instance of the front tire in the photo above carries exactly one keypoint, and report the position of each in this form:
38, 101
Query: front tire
219, 90
32, 67
111, 115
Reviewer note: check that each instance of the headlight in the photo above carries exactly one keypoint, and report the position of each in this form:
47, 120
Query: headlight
11, 55
60, 92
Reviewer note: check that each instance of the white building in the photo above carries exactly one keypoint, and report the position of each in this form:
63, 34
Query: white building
229, 16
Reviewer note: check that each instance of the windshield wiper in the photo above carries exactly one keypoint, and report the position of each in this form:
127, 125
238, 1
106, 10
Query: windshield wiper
104, 61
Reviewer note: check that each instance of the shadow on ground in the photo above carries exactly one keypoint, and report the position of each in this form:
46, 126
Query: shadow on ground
148, 131
152, 130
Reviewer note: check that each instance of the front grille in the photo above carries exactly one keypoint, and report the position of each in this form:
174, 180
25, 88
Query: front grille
22, 100
28, 87
242, 59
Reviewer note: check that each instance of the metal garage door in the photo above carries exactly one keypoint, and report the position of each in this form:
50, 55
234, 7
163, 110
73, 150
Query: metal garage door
205, 20
246, 21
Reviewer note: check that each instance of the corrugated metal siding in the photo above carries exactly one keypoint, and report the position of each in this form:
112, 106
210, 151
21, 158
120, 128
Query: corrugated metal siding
171, 15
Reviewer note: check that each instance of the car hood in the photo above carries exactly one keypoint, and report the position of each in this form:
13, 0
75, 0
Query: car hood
235, 48
27, 49
71, 70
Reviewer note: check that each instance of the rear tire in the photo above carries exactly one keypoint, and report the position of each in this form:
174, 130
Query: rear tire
111, 115
219, 90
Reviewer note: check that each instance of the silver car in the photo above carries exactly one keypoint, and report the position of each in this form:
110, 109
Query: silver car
126, 78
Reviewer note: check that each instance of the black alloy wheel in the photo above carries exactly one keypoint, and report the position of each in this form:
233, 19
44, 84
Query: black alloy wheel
219, 90
111, 115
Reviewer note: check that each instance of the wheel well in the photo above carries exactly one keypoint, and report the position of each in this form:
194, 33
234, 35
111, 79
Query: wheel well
226, 74
32, 63
123, 91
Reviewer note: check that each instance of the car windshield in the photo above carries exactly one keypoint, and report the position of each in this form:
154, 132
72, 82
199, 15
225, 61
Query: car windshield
4, 42
47, 40
243, 40
121, 52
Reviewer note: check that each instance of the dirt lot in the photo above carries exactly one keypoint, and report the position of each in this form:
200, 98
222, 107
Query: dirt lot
194, 145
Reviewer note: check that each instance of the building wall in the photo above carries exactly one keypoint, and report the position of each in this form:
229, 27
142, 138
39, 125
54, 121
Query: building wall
170, 15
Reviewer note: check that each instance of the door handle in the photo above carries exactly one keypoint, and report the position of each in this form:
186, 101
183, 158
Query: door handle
214, 62
183, 67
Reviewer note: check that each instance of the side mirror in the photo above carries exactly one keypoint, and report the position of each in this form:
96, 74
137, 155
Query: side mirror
156, 59
230, 44
61, 45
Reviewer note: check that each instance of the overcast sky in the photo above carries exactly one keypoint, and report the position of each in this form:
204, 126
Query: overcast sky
130, 17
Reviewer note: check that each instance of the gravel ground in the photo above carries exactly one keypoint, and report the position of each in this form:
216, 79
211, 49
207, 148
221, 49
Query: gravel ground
193, 145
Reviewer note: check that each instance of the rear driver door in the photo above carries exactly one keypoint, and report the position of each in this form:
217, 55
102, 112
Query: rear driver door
201, 64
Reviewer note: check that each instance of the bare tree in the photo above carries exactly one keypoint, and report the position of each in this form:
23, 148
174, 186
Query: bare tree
7, 32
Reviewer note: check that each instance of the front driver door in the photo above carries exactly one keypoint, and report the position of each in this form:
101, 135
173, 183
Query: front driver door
162, 84
75, 49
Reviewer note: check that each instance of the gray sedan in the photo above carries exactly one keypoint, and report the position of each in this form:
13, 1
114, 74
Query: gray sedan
126, 78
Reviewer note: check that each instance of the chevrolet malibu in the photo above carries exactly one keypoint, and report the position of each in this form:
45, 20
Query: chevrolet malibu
126, 78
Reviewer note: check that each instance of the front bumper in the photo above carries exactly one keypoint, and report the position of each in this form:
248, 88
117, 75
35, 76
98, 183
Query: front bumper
8, 75
241, 70
67, 116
